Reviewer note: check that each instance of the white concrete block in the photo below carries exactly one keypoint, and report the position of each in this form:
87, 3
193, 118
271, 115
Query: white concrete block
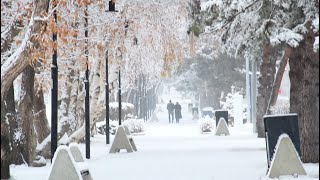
222, 128
63, 165
195, 115
75, 151
286, 160
123, 140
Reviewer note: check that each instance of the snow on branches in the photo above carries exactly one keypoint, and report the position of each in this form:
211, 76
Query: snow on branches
244, 25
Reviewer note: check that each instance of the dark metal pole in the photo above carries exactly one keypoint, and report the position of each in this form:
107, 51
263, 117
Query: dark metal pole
136, 98
54, 92
140, 98
87, 114
107, 102
87, 99
145, 98
120, 107
148, 104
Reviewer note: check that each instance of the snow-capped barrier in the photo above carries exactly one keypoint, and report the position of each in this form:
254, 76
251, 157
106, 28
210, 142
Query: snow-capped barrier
195, 115
222, 128
64, 166
275, 126
75, 151
221, 114
123, 140
286, 160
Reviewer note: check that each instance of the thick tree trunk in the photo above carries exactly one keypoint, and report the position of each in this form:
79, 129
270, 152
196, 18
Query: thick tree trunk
67, 108
267, 72
40, 117
5, 145
310, 134
15, 123
96, 91
28, 138
304, 96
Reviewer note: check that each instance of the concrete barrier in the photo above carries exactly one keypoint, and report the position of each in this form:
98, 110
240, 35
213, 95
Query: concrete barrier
286, 160
64, 166
75, 151
222, 128
123, 140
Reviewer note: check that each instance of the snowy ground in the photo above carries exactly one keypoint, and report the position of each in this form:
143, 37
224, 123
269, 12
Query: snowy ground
177, 152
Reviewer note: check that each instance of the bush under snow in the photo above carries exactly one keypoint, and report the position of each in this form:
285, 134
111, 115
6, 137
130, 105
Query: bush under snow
135, 125
281, 107
206, 124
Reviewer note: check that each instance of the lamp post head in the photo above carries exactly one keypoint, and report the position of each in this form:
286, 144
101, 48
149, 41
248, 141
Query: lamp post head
112, 6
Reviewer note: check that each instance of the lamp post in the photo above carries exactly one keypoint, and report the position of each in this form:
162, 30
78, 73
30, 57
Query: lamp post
87, 98
111, 9
107, 102
140, 97
54, 91
87, 113
119, 91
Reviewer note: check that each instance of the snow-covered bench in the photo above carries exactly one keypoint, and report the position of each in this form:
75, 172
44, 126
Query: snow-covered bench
123, 140
68, 164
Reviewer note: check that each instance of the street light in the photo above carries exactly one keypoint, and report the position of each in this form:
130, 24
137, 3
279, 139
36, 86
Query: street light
112, 8
107, 102
87, 98
54, 91
119, 91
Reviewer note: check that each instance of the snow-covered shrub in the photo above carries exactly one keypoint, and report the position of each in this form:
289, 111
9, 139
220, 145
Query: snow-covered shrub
101, 127
127, 108
281, 107
228, 103
206, 124
135, 125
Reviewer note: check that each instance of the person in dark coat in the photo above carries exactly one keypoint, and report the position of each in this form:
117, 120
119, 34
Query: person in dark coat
177, 110
170, 108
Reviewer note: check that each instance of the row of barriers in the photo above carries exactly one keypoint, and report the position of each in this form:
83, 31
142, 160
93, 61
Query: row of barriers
282, 147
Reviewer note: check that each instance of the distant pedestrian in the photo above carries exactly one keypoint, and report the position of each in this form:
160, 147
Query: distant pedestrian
177, 110
170, 108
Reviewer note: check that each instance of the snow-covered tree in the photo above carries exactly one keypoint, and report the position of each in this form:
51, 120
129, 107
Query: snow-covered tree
142, 38
261, 30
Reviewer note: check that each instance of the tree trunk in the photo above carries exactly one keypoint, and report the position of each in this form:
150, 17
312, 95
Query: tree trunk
40, 117
304, 96
310, 101
5, 145
28, 138
15, 123
267, 72
68, 89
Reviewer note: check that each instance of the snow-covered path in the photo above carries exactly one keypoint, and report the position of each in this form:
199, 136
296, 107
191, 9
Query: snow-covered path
175, 152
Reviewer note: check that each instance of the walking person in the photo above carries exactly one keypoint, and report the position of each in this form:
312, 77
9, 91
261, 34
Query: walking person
170, 108
177, 110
